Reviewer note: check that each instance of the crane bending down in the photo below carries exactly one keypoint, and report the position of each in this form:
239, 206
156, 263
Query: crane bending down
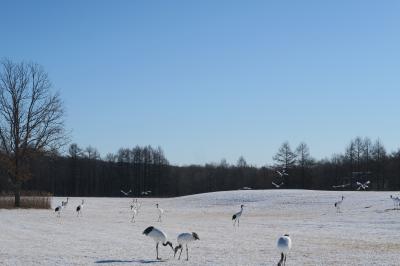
284, 244
236, 216
185, 239
159, 237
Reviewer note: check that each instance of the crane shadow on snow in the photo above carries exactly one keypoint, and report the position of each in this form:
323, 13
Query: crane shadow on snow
128, 261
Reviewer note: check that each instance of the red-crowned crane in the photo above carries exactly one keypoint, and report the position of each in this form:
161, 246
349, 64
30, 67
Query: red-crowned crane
159, 237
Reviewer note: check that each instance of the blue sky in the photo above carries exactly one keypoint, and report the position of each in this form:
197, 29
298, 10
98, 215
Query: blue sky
207, 80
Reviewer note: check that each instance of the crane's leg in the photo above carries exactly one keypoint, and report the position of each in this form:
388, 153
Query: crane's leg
157, 251
284, 263
238, 221
180, 253
187, 252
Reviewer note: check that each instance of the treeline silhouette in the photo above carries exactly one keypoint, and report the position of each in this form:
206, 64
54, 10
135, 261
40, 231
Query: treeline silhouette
146, 169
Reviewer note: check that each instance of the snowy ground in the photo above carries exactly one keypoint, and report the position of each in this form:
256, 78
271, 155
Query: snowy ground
367, 232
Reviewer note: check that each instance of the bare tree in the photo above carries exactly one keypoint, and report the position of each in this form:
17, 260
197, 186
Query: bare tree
241, 162
111, 157
285, 158
367, 152
31, 119
379, 156
304, 160
358, 151
74, 151
92, 153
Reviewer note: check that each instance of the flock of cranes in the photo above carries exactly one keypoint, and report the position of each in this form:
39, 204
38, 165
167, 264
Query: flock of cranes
284, 243
396, 203
64, 205
183, 239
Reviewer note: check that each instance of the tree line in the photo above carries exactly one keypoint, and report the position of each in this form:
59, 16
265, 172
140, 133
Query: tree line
82, 172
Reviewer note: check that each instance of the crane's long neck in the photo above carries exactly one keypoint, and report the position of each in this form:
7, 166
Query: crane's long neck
168, 244
177, 248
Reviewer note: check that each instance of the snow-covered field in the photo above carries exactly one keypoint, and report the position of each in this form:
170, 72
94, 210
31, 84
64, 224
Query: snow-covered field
367, 232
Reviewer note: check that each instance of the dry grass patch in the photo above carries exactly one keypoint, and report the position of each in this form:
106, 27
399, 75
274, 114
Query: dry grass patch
29, 200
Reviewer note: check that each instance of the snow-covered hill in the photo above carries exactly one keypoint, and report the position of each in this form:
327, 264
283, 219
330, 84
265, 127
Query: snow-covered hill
367, 232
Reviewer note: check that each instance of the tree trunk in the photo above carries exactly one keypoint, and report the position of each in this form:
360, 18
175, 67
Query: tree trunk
17, 195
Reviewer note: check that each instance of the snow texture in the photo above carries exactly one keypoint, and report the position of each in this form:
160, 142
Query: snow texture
366, 232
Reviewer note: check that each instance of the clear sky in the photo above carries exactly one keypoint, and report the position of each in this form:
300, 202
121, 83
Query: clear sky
207, 80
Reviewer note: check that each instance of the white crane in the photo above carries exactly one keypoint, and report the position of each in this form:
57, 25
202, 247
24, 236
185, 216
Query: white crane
65, 203
185, 239
159, 237
58, 210
282, 173
363, 185
341, 186
160, 213
126, 193
134, 213
338, 203
135, 205
284, 244
278, 186
396, 201
146, 193
79, 208
236, 216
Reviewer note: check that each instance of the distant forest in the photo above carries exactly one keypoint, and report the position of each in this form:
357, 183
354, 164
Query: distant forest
146, 169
